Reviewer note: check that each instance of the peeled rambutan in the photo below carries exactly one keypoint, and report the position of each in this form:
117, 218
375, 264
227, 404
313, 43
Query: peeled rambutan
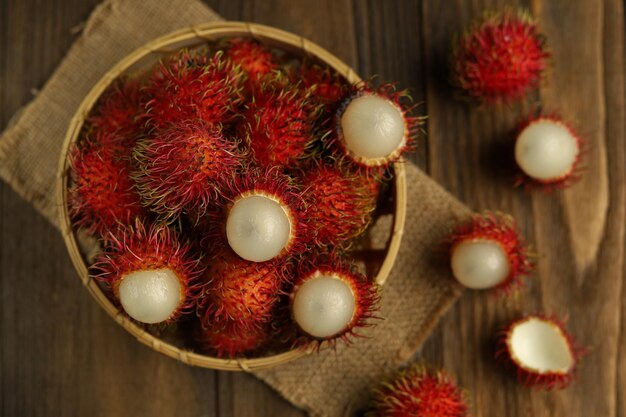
182, 168
231, 338
542, 351
101, 193
499, 59
120, 109
339, 203
373, 127
420, 392
154, 275
192, 85
330, 300
278, 123
254, 58
240, 290
263, 214
548, 153
487, 252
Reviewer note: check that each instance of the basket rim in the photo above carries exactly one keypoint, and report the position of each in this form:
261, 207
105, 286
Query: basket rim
201, 33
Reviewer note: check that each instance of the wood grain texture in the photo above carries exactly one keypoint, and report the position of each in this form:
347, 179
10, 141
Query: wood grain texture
60, 355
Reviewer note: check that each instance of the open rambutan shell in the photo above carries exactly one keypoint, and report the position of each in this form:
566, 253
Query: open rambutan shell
164, 271
548, 153
542, 351
499, 59
487, 252
102, 196
419, 392
193, 85
182, 168
330, 300
373, 127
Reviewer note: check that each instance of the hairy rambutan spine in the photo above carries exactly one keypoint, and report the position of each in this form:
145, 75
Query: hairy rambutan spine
182, 168
256, 60
231, 338
499, 59
151, 248
419, 392
192, 85
500, 229
101, 195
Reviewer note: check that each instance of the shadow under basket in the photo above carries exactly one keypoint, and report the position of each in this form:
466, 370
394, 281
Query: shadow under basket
377, 261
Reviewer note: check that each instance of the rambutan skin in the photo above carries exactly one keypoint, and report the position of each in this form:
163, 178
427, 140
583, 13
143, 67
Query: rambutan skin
326, 86
420, 392
181, 169
499, 228
119, 110
339, 205
256, 60
101, 195
192, 85
529, 183
499, 59
232, 338
277, 123
375, 168
140, 248
529, 377
366, 294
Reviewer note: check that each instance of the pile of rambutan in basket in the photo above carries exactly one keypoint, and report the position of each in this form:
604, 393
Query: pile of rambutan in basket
227, 185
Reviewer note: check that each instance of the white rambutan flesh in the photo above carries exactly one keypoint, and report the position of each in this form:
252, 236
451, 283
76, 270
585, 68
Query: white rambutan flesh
546, 150
150, 296
540, 346
373, 127
479, 264
324, 306
258, 228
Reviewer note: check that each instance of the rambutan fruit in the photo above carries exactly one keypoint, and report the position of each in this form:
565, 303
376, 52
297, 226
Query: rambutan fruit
542, 351
420, 392
278, 123
487, 252
182, 168
330, 300
119, 110
326, 85
101, 195
263, 213
374, 128
241, 290
256, 60
499, 59
153, 274
231, 338
339, 203
192, 85
548, 152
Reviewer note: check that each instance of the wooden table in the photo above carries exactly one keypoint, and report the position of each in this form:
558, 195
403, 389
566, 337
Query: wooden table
62, 355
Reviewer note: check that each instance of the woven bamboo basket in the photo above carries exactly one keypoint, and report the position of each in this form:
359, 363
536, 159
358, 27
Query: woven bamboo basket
145, 57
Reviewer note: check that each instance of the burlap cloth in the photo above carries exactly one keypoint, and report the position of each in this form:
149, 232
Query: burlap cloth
417, 292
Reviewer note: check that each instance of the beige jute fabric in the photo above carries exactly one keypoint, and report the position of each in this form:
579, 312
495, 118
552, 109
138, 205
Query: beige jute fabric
418, 291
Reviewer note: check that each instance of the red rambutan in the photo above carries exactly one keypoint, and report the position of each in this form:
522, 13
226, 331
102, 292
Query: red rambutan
182, 168
420, 392
339, 202
499, 59
153, 274
330, 300
263, 213
278, 123
488, 253
548, 153
192, 85
542, 351
373, 127
231, 338
326, 86
118, 111
253, 57
101, 194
